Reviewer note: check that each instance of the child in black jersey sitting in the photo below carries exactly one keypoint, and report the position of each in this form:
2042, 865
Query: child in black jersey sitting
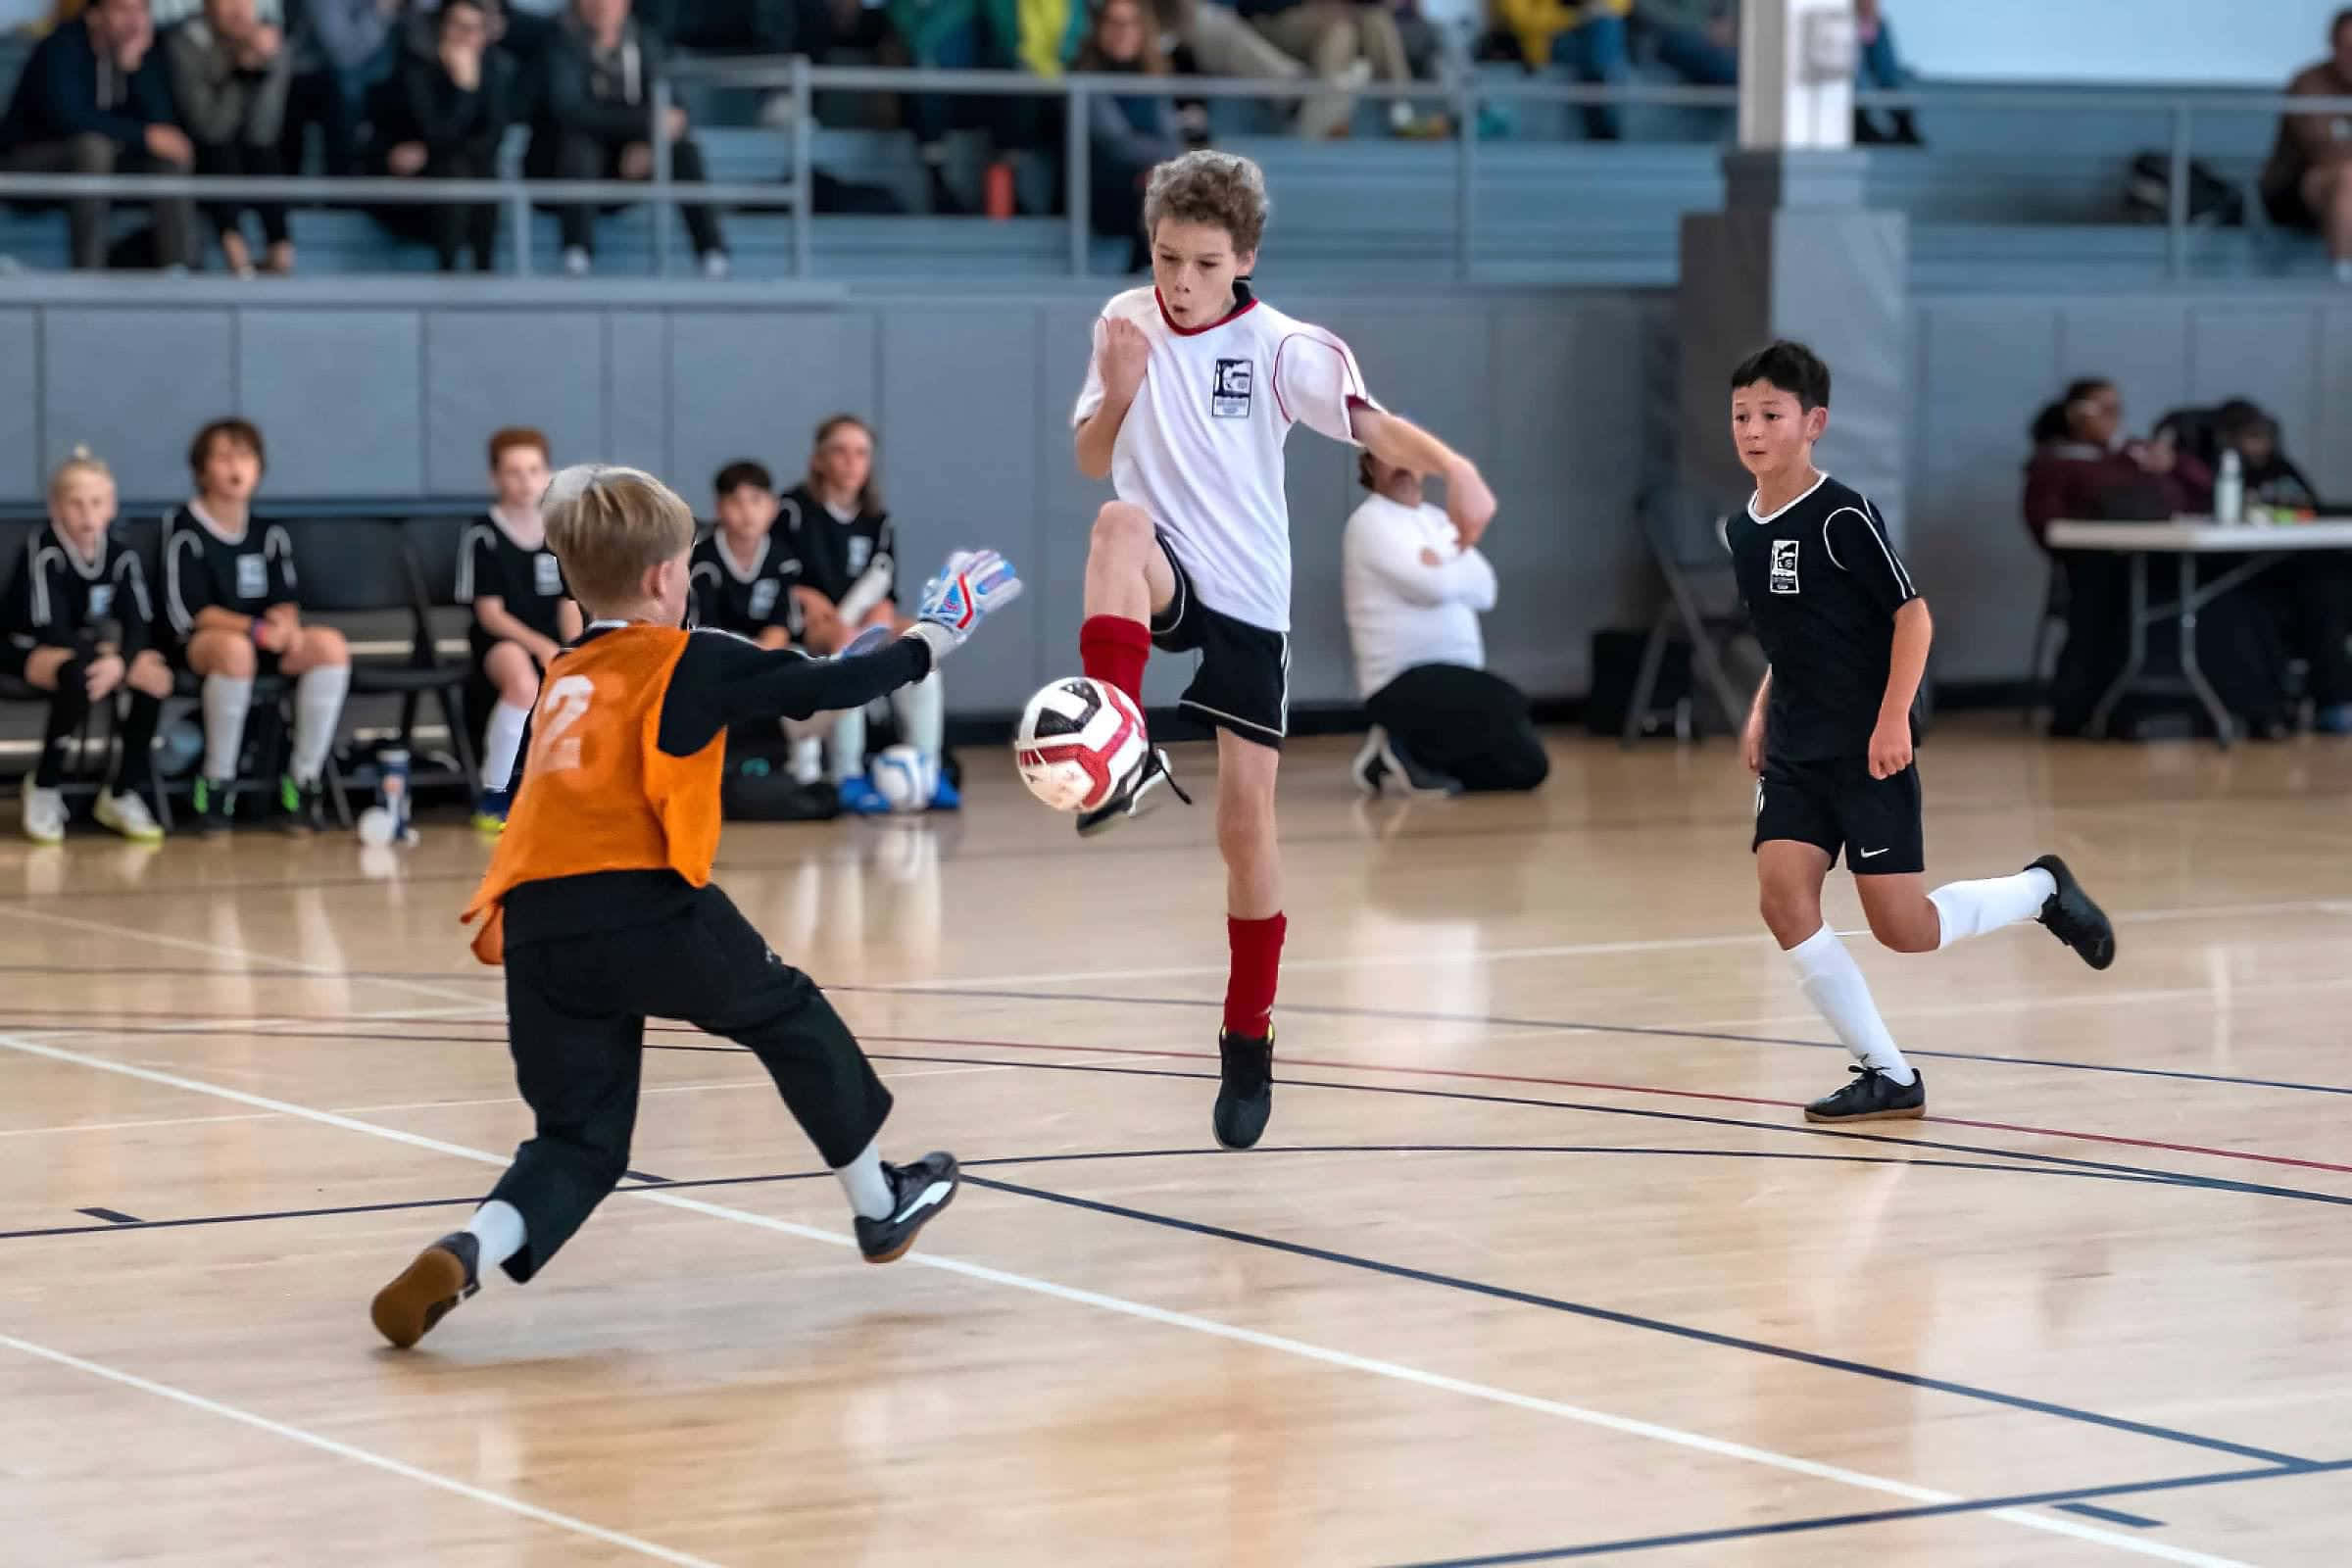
1830, 737
523, 614
747, 577
78, 624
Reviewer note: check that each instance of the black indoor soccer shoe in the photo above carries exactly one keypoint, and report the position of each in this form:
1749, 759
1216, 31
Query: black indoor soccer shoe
428, 1289
2071, 916
214, 803
1140, 795
1244, 1089
917, 1192
1369, 769
1871, 1095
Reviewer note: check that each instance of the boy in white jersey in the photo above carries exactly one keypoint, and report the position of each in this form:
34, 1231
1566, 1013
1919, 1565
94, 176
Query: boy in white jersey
1191, 390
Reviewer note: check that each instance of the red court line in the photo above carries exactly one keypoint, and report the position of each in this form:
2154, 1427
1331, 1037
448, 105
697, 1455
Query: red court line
1636, 1089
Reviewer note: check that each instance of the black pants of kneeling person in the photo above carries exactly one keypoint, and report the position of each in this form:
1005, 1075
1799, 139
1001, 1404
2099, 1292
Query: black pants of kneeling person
575, 1018
580, 155
1465, 724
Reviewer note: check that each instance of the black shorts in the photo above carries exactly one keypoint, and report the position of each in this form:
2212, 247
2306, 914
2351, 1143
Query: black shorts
1837, 804
1243, 682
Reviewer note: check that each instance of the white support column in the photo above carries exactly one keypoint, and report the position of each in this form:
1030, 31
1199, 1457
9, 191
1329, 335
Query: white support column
1796, 74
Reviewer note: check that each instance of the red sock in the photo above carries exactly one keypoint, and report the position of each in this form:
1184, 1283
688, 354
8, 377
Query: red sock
1257, 966
1113, 647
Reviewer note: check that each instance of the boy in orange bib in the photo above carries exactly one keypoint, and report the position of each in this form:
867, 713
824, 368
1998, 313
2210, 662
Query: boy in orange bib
599, 902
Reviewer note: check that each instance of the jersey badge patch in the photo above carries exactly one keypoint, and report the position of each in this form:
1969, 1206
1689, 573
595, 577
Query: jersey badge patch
1228, 399
1783, 566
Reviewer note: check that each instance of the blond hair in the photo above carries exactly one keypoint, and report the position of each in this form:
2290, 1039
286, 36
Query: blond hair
610, 526
1224, 190
82, 460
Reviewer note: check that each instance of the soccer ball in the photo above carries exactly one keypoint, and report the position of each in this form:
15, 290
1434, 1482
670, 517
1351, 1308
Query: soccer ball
1079, 742
906, 778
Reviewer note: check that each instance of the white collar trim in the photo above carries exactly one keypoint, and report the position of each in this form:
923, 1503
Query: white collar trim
1778, 514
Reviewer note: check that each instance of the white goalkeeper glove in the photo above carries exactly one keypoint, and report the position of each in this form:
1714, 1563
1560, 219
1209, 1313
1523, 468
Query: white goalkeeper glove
974, 586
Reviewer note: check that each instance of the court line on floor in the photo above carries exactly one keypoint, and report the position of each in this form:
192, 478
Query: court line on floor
1346, 1360
357, 1455
1789, 1527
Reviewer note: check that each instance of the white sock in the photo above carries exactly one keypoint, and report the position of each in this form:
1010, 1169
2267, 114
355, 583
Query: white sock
808, 756
497, 1229
922, 711
502, 738
318, 709
1832, 982
849, 744
862, 1178
1972, 908
225, 701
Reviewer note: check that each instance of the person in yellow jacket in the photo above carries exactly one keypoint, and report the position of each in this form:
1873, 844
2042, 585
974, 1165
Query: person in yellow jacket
1588, 36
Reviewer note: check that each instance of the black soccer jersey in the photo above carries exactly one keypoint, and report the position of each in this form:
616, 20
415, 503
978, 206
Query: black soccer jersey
746, 602
1822, 583
527, 583
836, 557
205, 569
57, 599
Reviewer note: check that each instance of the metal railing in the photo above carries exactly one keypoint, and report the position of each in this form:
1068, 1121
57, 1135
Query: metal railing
1463, 95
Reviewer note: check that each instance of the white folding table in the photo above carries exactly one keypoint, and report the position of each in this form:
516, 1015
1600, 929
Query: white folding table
2262, 544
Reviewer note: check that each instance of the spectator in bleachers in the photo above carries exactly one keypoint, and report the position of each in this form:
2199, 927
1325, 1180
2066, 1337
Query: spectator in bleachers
95, 99
343, 52
2307, 181
1440, 723
599, 124
1697, 40
848, 552
232, 600
523, 615
1129, 133
229, 72
77, 624
1041, 37
442, 119
1343, 43
1222, 44
1588, 36
1879, 69
772, 28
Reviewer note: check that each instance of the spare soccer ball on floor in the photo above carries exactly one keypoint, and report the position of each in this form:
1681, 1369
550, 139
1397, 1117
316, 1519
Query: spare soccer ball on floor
905, 777
1078, 744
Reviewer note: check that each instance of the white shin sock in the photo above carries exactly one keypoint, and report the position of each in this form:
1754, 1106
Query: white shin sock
497, 1229
226, 698
1832, 982
922, 711
862, 1178
849, 744
1972, 908
502, 738
318, 709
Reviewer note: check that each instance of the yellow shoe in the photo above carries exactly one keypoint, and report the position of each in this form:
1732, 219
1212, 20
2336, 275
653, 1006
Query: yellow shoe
489, 825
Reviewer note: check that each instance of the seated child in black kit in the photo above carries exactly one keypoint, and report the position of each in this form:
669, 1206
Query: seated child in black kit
523, 614
599, 900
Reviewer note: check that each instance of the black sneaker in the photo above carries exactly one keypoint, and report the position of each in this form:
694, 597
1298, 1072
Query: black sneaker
1872, 1096
428, 1289
1245, 1090
214, 801
2073, 918
1136, 798
1418, 782
303, 805
1370, 769
919, 1191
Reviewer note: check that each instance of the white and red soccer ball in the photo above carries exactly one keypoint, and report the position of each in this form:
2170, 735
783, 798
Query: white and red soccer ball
1079, 741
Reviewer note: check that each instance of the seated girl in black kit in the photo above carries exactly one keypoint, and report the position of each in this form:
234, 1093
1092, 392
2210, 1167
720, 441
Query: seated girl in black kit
523, 614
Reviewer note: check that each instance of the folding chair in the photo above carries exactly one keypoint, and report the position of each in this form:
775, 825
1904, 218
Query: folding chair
1686, 541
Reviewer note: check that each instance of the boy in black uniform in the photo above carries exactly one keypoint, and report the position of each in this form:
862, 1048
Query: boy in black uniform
77, 622
599, 901
748, 579
230, 594
1830, 737
523, 615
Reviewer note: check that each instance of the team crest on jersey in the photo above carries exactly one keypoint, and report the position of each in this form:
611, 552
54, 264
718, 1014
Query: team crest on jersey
1783, 566
547, 574
102, 600
861, 550
763, 597
253, 577
1228, 399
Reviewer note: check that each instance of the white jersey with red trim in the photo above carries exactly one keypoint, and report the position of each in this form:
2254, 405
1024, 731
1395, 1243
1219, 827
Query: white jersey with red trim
1200, 449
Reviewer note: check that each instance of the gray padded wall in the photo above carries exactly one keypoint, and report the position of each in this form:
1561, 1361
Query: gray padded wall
378, 388
1985, 364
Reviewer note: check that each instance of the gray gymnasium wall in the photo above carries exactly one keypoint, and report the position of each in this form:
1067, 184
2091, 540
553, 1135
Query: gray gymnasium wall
388, 388
1985, 364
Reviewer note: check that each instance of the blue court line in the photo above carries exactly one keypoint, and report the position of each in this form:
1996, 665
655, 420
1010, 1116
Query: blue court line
2113, 1516
1843, 1521
1652, 1325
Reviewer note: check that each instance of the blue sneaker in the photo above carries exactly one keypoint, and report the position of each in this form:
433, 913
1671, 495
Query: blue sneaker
859, 798
946, 797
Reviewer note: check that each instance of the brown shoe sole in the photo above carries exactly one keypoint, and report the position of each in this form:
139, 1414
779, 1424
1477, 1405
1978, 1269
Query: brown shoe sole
406, 1311
1914, 1113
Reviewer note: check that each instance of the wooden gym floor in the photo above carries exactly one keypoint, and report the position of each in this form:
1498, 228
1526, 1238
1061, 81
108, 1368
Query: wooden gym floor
1537, 1261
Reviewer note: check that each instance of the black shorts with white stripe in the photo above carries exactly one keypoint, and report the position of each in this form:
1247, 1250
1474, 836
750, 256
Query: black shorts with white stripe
1243, 682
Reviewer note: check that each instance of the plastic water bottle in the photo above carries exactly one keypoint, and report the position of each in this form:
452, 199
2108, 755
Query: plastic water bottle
387, 820
2230, 492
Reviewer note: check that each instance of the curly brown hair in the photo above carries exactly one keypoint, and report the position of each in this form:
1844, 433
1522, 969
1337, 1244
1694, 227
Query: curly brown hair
1222, 190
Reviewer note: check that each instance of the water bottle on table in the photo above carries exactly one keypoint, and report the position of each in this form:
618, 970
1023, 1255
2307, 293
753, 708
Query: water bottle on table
2230, 491
387, 820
